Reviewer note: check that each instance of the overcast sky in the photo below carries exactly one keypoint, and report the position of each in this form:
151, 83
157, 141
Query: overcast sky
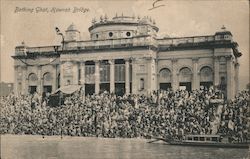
176, 18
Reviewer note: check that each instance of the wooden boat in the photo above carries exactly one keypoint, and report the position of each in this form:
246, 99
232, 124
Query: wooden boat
205, 140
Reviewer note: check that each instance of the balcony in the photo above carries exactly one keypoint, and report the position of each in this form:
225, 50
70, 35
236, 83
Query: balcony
185, 40
116, 43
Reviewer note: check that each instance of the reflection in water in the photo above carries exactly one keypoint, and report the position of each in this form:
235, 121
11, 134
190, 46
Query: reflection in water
35, 147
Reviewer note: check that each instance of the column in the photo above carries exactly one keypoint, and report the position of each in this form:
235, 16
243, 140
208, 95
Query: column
127, 82
237, 66
16, 80
75, 68
112, 75
97, 77
216, 71
24, 80
134, 82
82, 68
196, 79
157, 75
229, 77
82, 80
175, 80
148, 81
62, 74
54, 86
40, 80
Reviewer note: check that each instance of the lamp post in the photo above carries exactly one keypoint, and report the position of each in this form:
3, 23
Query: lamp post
58, 32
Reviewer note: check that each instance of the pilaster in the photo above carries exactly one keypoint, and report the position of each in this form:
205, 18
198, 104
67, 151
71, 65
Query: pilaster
97, 76
237, 65
216, 71
134, 82
82, 68
230, 92
127, 82
25, 84
40, 80
62, 81
175, 79
54, 86
112, 75
196, 79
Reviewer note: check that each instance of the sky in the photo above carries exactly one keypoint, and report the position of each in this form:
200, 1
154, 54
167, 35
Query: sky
176, 18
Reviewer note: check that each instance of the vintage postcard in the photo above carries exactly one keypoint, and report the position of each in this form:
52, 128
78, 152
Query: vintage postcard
123, 79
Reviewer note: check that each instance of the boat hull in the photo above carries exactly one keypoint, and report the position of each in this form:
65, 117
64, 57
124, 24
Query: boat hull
216, 145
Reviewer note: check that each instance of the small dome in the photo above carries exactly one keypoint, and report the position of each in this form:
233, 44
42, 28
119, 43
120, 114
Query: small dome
223, 31
22, 44
71, 27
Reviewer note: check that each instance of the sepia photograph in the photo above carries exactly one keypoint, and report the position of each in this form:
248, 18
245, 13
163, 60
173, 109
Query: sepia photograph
124, 79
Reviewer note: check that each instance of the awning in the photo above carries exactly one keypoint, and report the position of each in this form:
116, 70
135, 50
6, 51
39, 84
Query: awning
68, 89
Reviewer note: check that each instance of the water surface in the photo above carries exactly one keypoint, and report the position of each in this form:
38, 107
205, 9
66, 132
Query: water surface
53, 147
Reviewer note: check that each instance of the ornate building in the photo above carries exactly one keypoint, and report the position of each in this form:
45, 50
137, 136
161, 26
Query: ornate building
124, 55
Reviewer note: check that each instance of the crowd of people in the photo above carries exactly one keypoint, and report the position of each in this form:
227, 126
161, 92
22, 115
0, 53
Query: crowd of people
160, 114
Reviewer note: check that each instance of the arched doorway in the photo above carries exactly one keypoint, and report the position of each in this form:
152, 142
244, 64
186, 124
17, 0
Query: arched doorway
206, 77
32, 82
89, 77
119, 77
165, 79
104, 76
47, 82
185, 78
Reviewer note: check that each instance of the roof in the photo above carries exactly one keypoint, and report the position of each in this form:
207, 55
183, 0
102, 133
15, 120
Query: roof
72, 27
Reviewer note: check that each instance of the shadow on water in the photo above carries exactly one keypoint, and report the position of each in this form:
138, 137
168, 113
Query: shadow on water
35, 147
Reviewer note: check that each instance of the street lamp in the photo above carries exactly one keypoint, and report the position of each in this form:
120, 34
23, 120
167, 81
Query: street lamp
58, 32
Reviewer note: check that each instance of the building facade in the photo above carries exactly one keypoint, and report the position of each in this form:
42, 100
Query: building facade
125, 55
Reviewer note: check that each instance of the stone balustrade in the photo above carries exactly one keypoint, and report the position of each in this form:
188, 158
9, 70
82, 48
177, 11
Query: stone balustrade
117, 43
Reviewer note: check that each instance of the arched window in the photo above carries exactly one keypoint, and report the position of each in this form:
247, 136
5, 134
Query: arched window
32, 79
47, 82
185, 75
206, 74
47, 77
165, 76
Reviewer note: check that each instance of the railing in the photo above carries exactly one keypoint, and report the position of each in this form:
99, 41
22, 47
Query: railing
177, 41
43, 49
112, 43
117, 43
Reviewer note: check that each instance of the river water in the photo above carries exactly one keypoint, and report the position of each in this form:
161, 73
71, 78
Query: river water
36, 147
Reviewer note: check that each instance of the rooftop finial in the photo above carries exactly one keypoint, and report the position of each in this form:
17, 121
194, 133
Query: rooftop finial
223, 28
105, 17
93, 21
101, 19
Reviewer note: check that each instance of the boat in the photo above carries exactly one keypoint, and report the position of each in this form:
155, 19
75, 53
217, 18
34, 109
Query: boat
216, 141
